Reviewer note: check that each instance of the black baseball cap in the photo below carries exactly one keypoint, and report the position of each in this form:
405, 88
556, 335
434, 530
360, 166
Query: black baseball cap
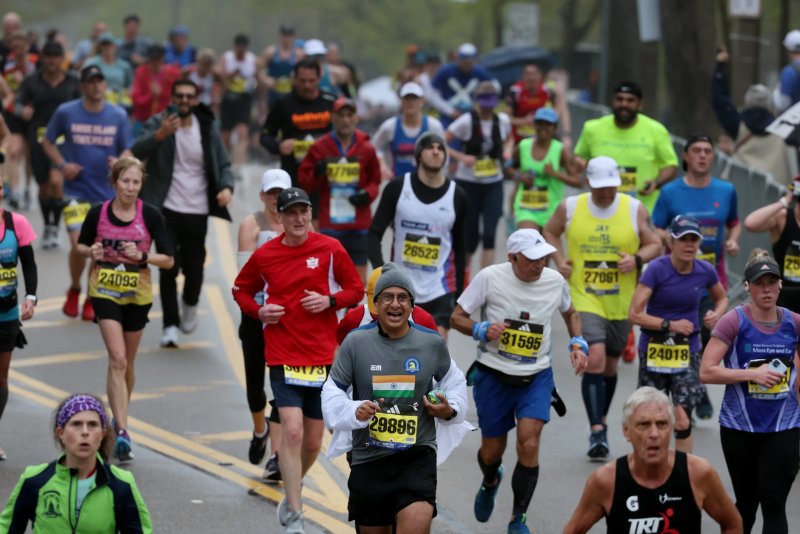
629, 87
760, 268
286, 29
696, 138
289, 197
91, 72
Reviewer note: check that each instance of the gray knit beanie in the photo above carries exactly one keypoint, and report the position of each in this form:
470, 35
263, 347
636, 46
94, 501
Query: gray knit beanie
426, 140
392, 275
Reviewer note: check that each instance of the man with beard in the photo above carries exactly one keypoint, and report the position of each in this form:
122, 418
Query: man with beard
426, 211
38, 97
300, 117
189, 179
639, 144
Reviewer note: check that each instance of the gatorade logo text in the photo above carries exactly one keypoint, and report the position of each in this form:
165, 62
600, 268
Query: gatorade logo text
312, 121
632, 503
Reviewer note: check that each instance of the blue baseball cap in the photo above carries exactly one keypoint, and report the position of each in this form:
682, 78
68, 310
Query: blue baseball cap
682, 225
546, 115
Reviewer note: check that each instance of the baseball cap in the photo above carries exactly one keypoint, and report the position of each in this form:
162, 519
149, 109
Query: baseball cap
52, 48
758, 96
179, 30
529, 243
156, 51
91, 72
286, 29
106, 37
763, 266
792, 41
603, 171
342, 102
291, 196
275, 179
314, 47
629, 87
467, 51
411, 89
546, 115
682, 225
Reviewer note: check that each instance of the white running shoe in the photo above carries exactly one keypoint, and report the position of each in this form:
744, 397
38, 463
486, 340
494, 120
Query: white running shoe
170, 337
188, 318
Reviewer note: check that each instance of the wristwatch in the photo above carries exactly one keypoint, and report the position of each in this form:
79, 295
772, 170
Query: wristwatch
665, 325
333, 302
452, 416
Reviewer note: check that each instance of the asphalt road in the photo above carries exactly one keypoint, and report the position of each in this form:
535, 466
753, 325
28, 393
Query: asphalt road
190, 424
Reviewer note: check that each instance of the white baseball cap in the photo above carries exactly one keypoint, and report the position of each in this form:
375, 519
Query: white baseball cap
467, 51
603, 171
314, 47
275, 179
792, 41
529, 243
412, 89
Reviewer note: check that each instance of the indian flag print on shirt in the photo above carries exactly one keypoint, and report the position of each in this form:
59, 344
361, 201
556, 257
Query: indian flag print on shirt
395, 386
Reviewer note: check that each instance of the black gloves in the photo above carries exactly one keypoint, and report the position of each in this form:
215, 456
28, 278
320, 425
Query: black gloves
359, 199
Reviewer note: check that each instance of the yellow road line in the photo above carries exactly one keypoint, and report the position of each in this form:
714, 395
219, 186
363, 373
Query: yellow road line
71, 357
227, 332
237, 435
220, 469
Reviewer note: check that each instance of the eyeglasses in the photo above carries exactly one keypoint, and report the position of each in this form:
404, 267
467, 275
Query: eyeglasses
184, 96
388, 298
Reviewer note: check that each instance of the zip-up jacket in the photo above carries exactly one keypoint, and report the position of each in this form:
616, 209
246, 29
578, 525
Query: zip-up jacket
46, 494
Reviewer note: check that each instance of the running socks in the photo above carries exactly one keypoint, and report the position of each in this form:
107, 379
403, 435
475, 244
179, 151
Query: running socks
593, 388
489, 471
523, 484
611, 386
3, 399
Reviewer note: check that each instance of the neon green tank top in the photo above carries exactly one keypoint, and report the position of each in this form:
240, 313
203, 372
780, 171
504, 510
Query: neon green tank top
539, 202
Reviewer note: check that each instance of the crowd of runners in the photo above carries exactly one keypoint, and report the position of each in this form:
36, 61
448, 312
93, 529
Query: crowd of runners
135, 144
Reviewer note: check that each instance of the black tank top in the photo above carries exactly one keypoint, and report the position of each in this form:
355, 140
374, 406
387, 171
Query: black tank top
788, 244
669, 509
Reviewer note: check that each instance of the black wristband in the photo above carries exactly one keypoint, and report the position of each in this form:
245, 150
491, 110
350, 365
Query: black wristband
639, 261
333, 302
143, 261
452, 416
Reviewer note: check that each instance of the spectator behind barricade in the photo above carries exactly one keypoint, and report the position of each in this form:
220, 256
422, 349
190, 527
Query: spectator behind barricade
455, 84
787, 93
133, 47
118, 73
207, 78
753, 145
85, 47
179, 52
152, 86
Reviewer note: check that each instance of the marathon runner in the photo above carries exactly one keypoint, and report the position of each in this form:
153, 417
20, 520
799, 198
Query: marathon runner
277, 63
238, 68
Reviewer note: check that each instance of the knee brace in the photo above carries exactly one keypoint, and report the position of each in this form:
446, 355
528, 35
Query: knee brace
683, 434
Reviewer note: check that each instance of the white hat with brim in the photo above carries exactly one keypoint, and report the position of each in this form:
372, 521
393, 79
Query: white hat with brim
603, 171
529, 243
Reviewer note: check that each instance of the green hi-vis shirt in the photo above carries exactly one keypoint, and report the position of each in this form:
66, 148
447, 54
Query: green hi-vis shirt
399, 371
641, 151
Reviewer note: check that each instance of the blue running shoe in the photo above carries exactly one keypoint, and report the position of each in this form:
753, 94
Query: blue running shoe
518, 526
122, 447
484, 499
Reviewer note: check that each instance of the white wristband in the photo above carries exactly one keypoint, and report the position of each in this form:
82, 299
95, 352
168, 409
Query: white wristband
784, 202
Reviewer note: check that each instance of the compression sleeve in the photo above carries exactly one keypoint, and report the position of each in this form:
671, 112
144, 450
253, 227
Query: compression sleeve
29, 271
383, 217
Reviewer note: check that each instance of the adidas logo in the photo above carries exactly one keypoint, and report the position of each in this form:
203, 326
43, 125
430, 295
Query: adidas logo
603, 265
669, 341
423, 241
395, 409
525, 328
120, 267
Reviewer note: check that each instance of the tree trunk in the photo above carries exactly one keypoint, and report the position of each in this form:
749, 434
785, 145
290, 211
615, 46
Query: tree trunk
623, 45
689, 43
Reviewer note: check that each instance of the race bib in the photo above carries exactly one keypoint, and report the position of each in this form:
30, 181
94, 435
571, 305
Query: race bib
341, 210
709, 256
283, 85
628, 176
8, 277
40, 131
534, 199
776, 392
526, 130
312, 376
237, 84
118, 282
486, 168
520, 340
421, 252
791, 264
74, 214
601, 277
393, 431
301, 148
668, 354
343, 172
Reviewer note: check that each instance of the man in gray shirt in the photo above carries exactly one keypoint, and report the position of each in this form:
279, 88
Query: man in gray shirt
391, 366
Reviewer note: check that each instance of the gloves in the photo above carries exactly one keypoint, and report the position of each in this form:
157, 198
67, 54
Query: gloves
359, 199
